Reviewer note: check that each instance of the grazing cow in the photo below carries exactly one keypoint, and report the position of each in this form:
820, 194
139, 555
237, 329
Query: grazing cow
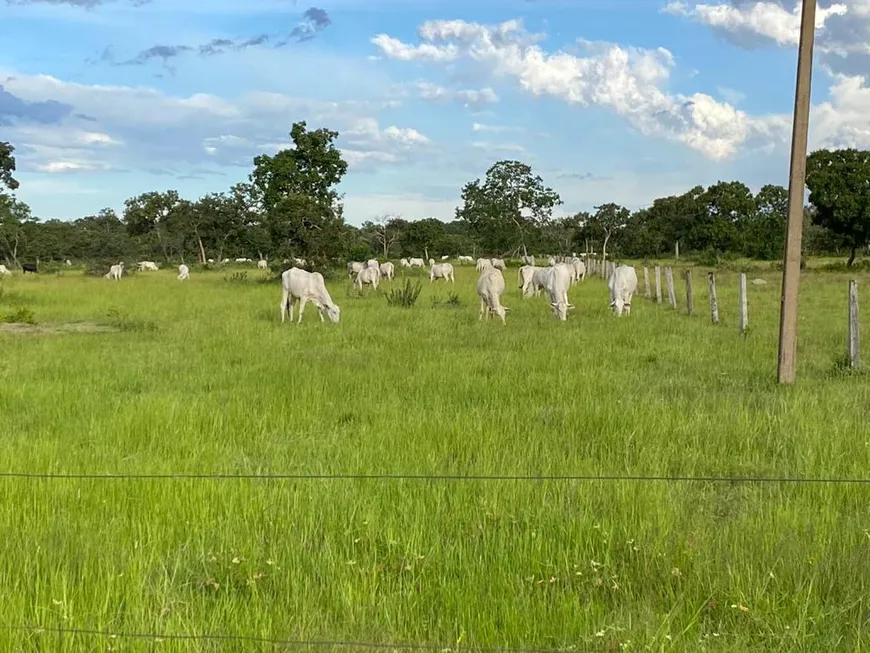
490, 287
527, 282
370, 276
404, 263
498, 264
305, 287
183, 272
465, 259
147, 265
4, 270
29, 267
388, 270
622, 284
416, 263
579, 269
263, 264
431, 262
241, 260
445, 257
115, 271
353, 268
483, 263
557, 280
372, 263
441, 271
551, 261
210, 261
68, 263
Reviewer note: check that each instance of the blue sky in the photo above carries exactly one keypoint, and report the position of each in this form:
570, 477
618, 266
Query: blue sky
621, 100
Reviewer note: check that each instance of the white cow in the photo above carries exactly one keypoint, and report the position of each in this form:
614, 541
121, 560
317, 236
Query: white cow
225, 261
241, 260
68, 263
499, 264
465, 259
263, 264
305, 287
527, 282
441, 271
353, 268
4, 270
490, 287
416, 263
404, 263
115, 271
183, 272
211, 260
372, 263
388, 270
579, 269
483, 263
147, 265
445, 257
551, 261
622, 284
370, 276
557, 280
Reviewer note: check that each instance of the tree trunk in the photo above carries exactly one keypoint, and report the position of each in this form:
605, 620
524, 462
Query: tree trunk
201, 251
851, 257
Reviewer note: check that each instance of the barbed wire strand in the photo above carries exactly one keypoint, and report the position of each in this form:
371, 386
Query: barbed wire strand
299, 643
435, 477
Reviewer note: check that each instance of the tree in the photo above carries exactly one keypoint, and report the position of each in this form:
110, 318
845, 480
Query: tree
14, 215
425, 236
764, 230
7, 166
607, 221
148, 214
296, 189
510, 203
839, 183
725, 206
385, 231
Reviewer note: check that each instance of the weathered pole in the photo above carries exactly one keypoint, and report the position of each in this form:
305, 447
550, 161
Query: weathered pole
791, 268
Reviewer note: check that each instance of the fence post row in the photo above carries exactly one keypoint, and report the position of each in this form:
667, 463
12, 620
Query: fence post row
658, 272
854, 340
714, 302
646, 293
690, 295
669, 278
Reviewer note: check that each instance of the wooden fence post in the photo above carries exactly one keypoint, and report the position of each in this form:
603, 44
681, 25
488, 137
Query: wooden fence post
744, 314
714, 302
672, 295
854, 342
658, 272
647, 292
690, 295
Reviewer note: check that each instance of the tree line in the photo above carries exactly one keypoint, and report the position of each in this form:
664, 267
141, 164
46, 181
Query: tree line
290, 207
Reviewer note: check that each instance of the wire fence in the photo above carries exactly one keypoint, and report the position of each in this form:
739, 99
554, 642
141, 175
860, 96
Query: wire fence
286, 643
630, 478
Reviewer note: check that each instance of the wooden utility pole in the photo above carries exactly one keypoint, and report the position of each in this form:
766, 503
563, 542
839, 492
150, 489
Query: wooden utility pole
791, 268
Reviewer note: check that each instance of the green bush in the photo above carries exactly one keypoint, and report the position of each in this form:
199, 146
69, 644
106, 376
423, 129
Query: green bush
405, 296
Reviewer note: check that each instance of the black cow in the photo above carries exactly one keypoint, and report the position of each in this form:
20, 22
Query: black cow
29, 267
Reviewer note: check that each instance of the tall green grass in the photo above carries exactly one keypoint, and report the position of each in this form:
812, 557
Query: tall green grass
201, 377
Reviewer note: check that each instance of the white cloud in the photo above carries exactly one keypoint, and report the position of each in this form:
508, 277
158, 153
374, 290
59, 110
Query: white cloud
730, 95
137, 128
842, 40
627, 80
473, 98
766, 19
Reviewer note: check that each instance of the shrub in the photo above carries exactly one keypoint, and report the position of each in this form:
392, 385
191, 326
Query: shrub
21, 315
405, 296
452, 301
123, 322
236, 277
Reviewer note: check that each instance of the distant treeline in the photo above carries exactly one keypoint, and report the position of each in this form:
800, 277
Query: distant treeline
289, 208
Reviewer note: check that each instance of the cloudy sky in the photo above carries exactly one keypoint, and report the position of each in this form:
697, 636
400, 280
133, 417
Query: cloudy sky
608, 100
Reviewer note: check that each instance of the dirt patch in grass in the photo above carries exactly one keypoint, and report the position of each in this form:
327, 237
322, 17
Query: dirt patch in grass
17, 328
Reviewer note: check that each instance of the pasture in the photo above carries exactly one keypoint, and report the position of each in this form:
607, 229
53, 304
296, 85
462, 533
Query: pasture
201, 377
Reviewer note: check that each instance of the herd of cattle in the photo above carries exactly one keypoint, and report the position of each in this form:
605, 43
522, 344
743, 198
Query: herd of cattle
299, 286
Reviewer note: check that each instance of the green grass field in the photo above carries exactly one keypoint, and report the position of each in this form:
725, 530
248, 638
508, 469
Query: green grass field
201, 377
